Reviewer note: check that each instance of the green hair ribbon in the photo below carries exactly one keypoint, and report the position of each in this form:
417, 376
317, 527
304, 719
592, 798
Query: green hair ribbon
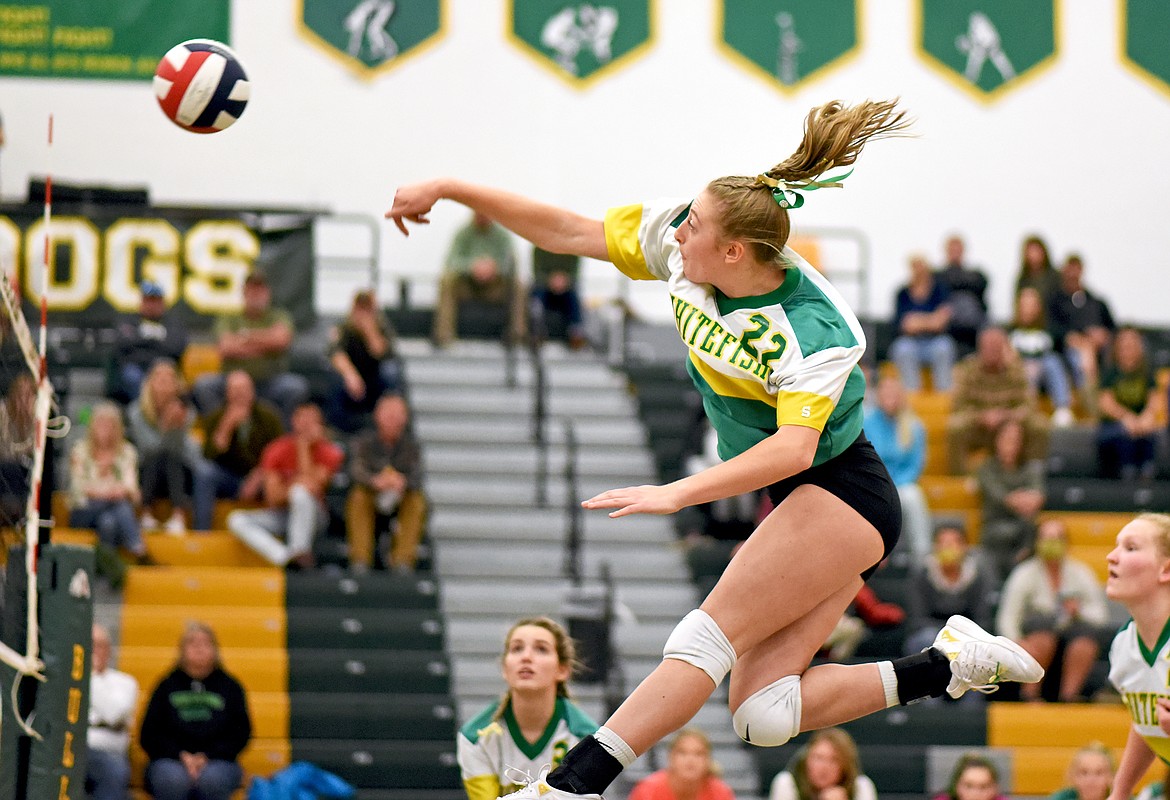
788, 194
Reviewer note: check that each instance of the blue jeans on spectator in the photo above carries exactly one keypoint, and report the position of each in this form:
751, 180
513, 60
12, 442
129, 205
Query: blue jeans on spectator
285, 390
132, 376
107, 775
210, 481
911, 353
1048, 373
114, 520
167, 779
1122, 455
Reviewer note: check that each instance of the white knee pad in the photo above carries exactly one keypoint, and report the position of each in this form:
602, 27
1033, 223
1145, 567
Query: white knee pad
771, 716
698, 641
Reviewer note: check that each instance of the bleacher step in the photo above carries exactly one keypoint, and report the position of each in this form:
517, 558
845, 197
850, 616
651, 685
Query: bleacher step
634, 561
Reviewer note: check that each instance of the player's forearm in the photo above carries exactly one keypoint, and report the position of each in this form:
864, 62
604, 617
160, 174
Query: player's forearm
786, 452
550, 228
1135, 760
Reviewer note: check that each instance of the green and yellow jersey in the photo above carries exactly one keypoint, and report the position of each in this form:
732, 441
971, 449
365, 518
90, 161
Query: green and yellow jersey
788, 357
492, 751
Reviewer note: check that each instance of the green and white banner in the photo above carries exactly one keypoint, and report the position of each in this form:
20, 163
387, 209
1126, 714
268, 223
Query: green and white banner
987, 46
371, 36
789, 42
1145, 25
581, 41
106, 39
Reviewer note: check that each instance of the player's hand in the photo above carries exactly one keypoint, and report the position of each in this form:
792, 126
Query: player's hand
1163, 712
637, 500
413, 203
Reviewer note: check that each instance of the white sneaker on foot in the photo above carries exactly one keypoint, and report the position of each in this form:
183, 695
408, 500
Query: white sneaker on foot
540, 790
176, 525
1063, 418
981, 661
148, 522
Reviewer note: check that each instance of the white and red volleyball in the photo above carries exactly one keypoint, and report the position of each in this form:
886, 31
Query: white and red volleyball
201, 86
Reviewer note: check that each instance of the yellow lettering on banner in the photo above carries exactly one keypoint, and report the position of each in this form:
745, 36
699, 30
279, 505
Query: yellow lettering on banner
24, 37
23, 15
158, 241
63, 791
74, 712
78, 289
78, 38
67, 753
78, 663
219, 255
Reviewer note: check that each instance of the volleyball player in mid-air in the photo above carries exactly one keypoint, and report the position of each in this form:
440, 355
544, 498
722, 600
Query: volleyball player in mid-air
774, 350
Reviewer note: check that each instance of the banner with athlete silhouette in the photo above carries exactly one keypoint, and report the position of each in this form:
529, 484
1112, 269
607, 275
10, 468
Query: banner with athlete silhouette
579, 42
371, 36
987, 47
1144, 26
790, 42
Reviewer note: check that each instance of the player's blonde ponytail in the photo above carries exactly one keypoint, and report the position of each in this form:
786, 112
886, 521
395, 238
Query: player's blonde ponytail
754, 209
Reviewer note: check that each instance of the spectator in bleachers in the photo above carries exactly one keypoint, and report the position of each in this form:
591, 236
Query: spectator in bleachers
1049, 600
555, 297
385, 468
363, 355
480, 268
113, 699
234, 438
160, 426
991, 388
532, 726
974, 777
690, 774
1013, 495
967, 286
103, 490
826, 768
953, 579
297, 469
156, 334
1090, 774
1130, 406
1032, 339
922, 316
257, 341
196, 724
1036, 270
900, 440
1083, 327
870, 621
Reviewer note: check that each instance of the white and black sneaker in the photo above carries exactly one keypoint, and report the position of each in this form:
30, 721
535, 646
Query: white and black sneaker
981, 661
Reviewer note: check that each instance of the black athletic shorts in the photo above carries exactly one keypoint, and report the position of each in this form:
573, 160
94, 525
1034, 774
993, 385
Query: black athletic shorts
859, 478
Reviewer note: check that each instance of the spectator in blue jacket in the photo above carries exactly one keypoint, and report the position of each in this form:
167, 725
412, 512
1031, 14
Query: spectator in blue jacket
900, 440
922, 318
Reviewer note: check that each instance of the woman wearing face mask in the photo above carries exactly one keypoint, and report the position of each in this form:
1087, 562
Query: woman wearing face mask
690, 773
1052, 599
534, 724
952, 579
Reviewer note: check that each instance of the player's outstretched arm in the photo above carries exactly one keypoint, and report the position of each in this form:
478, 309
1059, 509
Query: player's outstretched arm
556, 230
1135, 760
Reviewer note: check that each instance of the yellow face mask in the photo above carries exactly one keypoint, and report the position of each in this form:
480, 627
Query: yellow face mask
948, 556
1051, 549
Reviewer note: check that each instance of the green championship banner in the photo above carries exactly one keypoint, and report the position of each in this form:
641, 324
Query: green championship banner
987, 46
371, 36
788, 42
579, 42
1144, 27
106, 39
200, 256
